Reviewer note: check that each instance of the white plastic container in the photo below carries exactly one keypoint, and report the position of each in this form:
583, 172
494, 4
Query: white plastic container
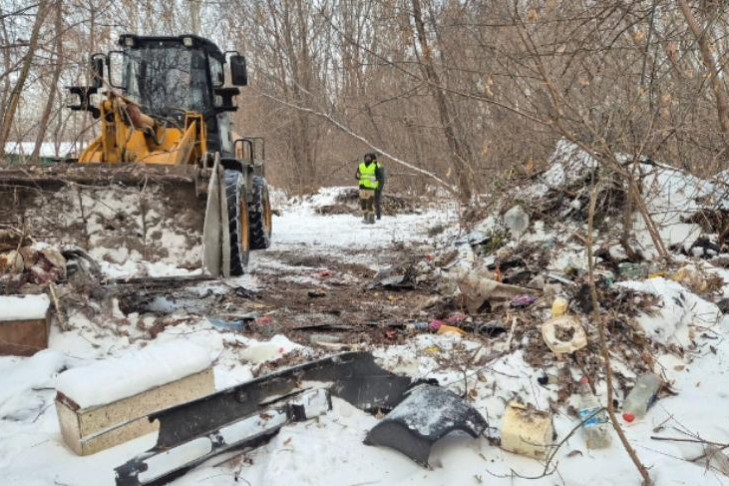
554, 333
641, 397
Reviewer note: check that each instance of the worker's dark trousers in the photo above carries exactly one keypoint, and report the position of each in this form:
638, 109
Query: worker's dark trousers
378, 203
367, 203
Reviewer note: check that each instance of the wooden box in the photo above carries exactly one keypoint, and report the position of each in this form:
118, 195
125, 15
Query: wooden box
23, 336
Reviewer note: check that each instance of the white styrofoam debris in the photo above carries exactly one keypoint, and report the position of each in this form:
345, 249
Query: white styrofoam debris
259, 352
680, 308
133, 373
23, 307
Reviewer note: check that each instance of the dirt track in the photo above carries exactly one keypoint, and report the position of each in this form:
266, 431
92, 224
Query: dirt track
320, 294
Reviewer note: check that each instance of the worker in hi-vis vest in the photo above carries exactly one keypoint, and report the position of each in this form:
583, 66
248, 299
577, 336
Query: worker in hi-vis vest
368, 175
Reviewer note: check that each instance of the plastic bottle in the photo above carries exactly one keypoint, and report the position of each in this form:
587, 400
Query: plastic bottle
594, 427
417, 326
641, 397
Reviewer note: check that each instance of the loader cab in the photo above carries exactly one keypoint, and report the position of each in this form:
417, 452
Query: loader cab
168, 76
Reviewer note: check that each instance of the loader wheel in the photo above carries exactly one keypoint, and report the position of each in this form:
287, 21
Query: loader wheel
238, 222
260, 215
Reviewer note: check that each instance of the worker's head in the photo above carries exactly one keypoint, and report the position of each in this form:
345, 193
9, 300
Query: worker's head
373, 155
368, 158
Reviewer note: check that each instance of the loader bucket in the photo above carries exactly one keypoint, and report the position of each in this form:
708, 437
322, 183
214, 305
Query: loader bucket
135, 217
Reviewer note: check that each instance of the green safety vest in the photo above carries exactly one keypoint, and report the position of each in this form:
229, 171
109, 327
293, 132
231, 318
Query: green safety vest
367, 178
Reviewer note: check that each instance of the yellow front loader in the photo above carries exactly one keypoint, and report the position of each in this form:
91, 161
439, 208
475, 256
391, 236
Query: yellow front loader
166, 180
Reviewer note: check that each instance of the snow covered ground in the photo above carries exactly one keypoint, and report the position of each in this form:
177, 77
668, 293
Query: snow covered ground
329, 450
299, 230
47, 149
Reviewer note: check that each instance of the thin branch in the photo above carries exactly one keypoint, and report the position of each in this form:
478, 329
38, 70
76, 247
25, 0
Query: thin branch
352, 134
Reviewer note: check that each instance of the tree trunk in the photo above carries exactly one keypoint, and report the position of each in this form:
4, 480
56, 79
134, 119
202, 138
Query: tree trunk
43, 126
7, 120
195, 16
460, 159
722, 104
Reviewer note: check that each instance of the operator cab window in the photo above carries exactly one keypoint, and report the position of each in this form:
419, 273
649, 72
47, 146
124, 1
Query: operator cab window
167, 80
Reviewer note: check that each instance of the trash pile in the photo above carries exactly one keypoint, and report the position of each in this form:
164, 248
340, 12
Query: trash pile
500, 345
23, 261
27, 266
519, 282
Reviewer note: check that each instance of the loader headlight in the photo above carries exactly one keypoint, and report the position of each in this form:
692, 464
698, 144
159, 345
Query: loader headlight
187, 41
129, 41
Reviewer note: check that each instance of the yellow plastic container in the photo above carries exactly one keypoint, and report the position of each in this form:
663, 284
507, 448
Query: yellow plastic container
526, 431
559, 307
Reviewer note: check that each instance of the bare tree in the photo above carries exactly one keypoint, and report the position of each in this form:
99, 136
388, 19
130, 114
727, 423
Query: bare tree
461, 159
53, 87
15, 95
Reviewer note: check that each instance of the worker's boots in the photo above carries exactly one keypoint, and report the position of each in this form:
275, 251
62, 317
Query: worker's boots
371, 218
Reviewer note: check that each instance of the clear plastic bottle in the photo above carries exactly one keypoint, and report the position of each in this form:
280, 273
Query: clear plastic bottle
417, 326
595, 427
641, 397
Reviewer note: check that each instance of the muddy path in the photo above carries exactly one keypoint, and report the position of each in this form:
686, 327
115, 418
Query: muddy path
297, 293
316, 278
314, 294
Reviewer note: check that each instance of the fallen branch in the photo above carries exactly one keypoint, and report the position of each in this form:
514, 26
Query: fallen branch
695, 441
61, 321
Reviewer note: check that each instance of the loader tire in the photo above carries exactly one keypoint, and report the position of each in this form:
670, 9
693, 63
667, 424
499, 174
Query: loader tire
260, 215
238, 221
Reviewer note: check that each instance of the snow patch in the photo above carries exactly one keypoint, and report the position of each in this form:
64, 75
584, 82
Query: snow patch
681, 309
22, 377
132, 373
23, 307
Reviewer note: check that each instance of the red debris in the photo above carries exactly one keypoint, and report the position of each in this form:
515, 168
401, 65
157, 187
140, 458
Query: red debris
435, 325
456, 318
